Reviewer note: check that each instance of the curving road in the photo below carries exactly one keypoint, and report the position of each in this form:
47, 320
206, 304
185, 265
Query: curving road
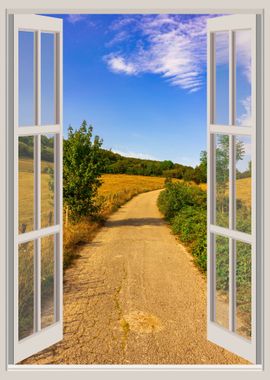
135, 297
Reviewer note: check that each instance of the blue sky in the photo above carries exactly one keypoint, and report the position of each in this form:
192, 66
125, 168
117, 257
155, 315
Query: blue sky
140, 80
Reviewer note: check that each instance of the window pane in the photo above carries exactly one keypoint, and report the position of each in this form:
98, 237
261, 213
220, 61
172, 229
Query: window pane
26, 289
26, 79
26, 184
222, 78
47, 79
243, 77
47, 281
47, 180
222, 180
243, 289
243, 184
222, 280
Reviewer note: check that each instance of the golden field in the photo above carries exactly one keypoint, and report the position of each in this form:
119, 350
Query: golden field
26, 194
243, 190
116, 189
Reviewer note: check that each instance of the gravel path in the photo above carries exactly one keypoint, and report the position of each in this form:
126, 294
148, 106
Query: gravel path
135, 297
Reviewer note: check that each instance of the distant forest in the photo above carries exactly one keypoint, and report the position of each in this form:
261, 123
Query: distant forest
116, 164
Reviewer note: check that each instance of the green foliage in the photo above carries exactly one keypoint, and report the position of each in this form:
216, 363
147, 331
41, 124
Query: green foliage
184, 206
201, 170
114, 163
178, 196
47, 148
26, 148
82, 163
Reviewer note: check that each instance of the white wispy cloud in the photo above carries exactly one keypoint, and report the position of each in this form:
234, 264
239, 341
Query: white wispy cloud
134, 154
173, 46
77, 18
74, 18
242, 51
118, 64
245, 118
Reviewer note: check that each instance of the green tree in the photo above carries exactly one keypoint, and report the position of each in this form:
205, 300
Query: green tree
203, 166
222, 172
222, 157
82, 164
249, 168
166, 165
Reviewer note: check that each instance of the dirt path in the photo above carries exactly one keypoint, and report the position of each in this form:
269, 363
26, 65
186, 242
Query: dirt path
135, 297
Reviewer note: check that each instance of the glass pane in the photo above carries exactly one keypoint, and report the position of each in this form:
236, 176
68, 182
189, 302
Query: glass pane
47, 180
26, 289
26, 79
47, 281
47, 79
222, 180
222, 78
243, 184
26, 184
222, 281
243, 289
243, 77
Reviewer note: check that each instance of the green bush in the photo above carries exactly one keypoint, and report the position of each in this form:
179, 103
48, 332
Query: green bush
184, 206
82, 163
179, 195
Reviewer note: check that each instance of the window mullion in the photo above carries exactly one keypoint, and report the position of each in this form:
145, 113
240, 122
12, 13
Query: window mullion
232, 178
37, 171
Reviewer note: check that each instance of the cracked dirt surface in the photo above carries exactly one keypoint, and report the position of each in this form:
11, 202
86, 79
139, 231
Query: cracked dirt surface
135, 297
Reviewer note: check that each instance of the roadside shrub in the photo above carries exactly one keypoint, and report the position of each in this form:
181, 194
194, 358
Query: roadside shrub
184, 206
179, 195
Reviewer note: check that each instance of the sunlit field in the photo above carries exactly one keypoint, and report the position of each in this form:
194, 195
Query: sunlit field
26, 194
116, 189
26, 250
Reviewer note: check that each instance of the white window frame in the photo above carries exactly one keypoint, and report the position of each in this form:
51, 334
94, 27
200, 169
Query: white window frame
41, 337
261, 7
248, 349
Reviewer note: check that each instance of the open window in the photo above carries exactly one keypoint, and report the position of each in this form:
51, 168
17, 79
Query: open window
233, 182
35, 295
35, 269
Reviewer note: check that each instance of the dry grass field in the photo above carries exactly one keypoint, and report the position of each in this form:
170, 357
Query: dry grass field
116, 189
243, 190
26, 250
26, 195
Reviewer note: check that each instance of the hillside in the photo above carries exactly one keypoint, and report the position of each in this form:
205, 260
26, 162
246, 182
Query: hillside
114, 163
